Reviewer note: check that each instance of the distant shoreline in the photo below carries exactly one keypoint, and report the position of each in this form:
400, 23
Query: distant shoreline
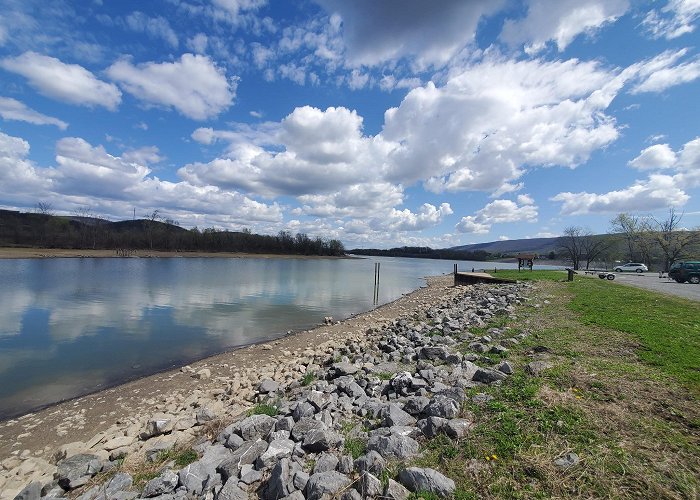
47, 253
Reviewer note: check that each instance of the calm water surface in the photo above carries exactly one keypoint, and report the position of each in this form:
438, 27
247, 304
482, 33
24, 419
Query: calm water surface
72, 326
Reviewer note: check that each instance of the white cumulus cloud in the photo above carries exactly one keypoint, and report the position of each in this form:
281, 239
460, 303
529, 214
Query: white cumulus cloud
499, 212
193, 85
12, 109
69, 83
560, 21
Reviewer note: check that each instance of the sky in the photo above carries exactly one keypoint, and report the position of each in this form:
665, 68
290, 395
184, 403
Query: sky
380, 123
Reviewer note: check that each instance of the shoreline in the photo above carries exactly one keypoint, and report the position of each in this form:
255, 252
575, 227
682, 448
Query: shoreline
79, 421
48, 253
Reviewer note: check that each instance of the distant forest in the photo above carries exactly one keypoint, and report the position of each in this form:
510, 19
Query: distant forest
18, 229
425, 253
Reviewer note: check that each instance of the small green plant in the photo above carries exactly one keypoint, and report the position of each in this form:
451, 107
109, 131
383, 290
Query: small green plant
308, 378
184, 458
385, 375
355, 447
263, 409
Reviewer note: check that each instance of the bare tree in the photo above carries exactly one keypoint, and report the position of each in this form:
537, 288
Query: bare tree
637, 235
151, 220
672, 239
571, 245
44, 208
593, 247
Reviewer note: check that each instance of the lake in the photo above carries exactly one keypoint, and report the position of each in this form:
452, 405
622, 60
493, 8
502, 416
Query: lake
73, 326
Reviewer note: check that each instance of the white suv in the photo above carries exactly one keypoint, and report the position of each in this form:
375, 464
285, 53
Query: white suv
632, 266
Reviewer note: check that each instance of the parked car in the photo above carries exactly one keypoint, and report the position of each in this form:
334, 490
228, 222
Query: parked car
685, 271
632, 266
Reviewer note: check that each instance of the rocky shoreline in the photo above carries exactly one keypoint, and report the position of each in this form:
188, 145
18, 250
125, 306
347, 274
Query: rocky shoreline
324, 420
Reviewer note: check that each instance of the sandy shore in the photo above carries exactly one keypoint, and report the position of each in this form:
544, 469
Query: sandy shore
43, 253
123, 409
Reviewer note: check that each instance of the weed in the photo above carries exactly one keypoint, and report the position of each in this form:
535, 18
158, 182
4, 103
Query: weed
263, 409
385, 375
355, 447
308, 378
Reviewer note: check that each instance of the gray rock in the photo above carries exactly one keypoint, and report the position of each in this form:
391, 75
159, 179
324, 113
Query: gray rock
303, 410
351, 494
246, 454
535, 368
395, 491
284, 424
296, 495
443, 407
165, 483
321, 440
30, 492
256, 426
300, 480
252, 476
278, 449
77, 470
371, 462
203, 471
428, 480
325, 462
405, 430
304, 426
505, 367
487, 375
268, 385
318, 399
457, 428
234, 442
415, 404
468, 370
478, 347
394, 446
369, 486
325, 485
434, 353
345, 368
432, 426
401, 382
280, 483
345, 464
156, 427
231, 491
567, 461
278, 435
394, 415
204, 415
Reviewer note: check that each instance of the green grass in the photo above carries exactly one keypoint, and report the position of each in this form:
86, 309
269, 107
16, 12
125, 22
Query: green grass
617, 395
667, 328
263, 409
308, 378
355, 447
514, 274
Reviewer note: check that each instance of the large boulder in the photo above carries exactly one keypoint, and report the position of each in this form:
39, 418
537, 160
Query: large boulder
326, 485
77, 470
429, 480
394, 446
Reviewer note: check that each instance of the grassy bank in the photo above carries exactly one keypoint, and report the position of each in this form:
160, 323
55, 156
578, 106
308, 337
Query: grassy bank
622, 393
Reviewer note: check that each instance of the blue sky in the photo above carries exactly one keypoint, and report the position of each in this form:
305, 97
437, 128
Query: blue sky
380, 123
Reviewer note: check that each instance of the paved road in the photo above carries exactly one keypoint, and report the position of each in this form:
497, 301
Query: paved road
651, 281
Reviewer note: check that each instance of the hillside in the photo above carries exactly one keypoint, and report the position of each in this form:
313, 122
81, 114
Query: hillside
540, 246
18, 229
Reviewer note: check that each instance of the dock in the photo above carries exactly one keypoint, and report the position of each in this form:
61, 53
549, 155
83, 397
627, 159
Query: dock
472, 278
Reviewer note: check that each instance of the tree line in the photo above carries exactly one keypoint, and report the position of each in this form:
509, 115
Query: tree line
425, 253
152, 232
658, 243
